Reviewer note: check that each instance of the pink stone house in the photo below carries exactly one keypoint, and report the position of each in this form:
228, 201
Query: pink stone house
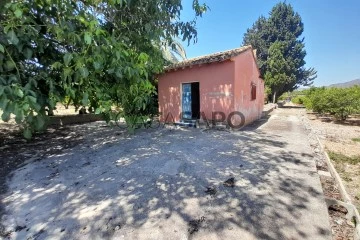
201, 87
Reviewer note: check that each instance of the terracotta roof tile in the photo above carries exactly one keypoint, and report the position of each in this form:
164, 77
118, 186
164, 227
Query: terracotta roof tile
214, 57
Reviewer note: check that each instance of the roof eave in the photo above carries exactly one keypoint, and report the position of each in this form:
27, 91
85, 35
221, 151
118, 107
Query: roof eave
228, 55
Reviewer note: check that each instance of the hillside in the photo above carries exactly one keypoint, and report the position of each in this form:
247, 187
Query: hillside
346, 84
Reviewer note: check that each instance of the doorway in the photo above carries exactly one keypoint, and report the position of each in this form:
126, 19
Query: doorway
191, 100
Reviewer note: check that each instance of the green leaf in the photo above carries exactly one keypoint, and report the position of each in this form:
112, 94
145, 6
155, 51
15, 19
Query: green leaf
4, 102
5, 116
118, 55
99, 32
12, 78
27, 133
82, 20
18, 13
6, 29
118, 73
9, 65
12, 37
84, 72
67, 58
93, 24
97, 65
31, 99
18, 92
85, 99
67, 72
72, 93
143, 57
147, 27
56, 65
28, 53
10, 107
2, 49
87, 38
98, 111
26, 107
39, 122
19, 116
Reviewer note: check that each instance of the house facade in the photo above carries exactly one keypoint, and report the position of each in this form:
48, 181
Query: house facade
224, 87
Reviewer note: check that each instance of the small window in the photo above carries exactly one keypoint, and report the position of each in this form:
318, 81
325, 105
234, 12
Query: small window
253, 91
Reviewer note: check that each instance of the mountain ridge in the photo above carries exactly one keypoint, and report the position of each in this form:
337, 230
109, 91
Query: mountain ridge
345, 84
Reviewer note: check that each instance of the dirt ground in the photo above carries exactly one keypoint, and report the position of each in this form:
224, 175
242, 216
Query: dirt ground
59, 111
339, 138
94, 180
16, 152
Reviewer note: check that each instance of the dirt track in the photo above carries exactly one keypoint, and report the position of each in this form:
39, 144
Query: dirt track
153, 185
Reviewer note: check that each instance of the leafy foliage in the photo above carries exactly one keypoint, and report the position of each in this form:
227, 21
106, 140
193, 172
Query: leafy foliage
298, 99
278, 72
280, 49
284, 96
93, 53
172, 51
340, 102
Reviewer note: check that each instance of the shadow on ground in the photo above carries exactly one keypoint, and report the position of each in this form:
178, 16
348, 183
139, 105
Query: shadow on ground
152, 186
292, 106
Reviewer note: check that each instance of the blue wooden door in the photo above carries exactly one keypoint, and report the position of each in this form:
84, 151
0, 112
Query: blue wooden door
186, 101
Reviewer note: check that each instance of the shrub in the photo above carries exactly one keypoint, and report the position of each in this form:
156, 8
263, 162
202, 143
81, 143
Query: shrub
339, 102
298, 99
284, 96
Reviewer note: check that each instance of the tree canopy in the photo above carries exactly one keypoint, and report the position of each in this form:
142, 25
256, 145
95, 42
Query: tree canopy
278, 42
96, 53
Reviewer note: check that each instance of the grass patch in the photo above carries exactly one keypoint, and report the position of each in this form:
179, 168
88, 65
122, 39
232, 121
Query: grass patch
347, 179
341, 158
356, 139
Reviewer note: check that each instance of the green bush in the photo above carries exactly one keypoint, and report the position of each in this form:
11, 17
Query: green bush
339, 102
298, 99
284, 96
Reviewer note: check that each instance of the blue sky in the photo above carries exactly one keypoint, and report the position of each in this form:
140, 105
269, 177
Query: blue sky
332, 32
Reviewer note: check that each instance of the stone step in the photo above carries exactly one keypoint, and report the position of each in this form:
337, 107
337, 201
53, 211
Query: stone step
186, 124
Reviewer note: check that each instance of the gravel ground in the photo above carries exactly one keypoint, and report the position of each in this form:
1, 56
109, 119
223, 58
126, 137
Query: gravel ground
338, 138
96, 181
341, 227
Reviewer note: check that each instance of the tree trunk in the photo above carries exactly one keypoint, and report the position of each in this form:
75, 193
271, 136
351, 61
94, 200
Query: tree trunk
274, 97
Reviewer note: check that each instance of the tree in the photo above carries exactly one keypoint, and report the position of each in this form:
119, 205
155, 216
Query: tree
278, 73
257, 36
172, 51
283, 25
91, 52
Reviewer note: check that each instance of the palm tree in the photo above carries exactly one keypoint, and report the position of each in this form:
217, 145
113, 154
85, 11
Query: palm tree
173, 51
